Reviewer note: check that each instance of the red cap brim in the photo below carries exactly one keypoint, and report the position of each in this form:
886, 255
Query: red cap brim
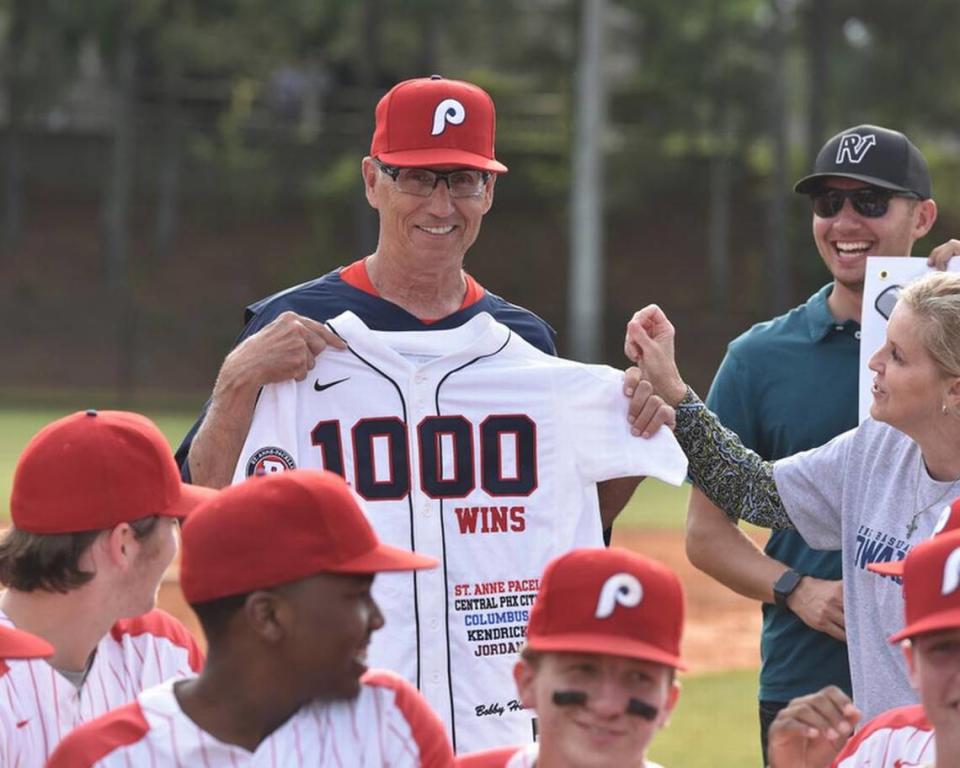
191, 496
611, 645
16, 644
949, 619
384, 558
426, 158
891, 568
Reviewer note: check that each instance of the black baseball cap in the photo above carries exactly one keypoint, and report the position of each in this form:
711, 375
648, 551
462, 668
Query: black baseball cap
874, 155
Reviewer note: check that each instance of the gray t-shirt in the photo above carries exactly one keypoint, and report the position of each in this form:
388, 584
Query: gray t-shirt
859, 493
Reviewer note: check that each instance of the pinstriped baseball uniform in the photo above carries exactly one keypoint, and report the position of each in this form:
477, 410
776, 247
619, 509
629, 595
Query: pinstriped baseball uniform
136, 654
900, 738
471, 446
388, 724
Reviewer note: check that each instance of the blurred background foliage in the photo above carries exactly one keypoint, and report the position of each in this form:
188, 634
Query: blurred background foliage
165, 162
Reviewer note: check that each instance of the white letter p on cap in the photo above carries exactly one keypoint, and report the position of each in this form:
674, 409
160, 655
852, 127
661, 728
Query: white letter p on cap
447, 111
620, 589
951, 573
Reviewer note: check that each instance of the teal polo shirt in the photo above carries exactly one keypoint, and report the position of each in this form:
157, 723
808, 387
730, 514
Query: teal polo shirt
784, 386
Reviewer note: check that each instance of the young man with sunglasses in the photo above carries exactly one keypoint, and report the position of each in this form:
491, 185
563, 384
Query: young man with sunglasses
790, 384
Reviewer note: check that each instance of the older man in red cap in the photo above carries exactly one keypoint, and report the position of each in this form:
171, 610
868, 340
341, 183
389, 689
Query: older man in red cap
430, 176
279, 571
813, 731
599, 663
95, 502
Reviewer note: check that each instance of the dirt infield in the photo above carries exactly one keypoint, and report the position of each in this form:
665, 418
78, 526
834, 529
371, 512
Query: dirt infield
722, 628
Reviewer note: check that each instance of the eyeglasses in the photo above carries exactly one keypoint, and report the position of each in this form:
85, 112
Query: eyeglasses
462, 182
871, 202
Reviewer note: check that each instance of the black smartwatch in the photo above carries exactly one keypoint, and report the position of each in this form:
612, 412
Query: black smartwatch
784, 586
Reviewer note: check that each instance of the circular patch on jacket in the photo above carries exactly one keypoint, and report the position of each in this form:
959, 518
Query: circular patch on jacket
268, 460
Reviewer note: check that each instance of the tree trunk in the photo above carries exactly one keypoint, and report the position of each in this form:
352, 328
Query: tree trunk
779, 278
116, 208
369, 72
721, 209
168, 177
817, 29
12, 146
585, 292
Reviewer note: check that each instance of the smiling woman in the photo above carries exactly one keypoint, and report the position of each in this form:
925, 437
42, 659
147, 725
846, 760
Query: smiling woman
872, 492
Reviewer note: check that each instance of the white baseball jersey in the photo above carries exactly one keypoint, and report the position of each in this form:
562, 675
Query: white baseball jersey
900, 738
471, 446
512, 757
388, 724
45, 706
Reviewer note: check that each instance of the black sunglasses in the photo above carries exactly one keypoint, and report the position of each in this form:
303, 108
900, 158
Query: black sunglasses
871, 202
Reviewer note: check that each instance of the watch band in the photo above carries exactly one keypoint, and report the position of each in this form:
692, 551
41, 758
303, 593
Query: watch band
783, 587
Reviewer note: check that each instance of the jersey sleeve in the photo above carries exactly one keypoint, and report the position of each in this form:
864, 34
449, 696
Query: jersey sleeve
172, 647
903, 735
89, 744
810, 485
433, 748
272, 440
595, 411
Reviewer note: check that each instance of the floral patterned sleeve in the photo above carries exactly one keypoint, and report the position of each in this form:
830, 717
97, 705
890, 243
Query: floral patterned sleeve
732, 476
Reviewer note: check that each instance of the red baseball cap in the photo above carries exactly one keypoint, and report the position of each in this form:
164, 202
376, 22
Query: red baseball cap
949, 521
94, 470
279, 528
16, 644
931, 586
609, 601
432, 121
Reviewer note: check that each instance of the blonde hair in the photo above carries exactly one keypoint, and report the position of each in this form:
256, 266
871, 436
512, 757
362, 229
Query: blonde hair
935, 298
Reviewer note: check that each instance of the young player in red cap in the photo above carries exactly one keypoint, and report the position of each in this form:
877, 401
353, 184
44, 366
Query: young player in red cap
94, 506
279, 570
812, 731
599, 663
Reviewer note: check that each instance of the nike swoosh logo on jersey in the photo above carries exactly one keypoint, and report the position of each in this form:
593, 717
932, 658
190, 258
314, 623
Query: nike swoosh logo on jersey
320, 387
23, 723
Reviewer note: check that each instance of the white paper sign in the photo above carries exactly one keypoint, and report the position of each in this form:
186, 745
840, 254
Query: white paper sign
885, 276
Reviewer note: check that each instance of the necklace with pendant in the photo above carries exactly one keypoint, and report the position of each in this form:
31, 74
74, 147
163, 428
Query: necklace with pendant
912, 525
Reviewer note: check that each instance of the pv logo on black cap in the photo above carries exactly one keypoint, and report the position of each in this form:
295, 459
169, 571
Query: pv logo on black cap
854, 147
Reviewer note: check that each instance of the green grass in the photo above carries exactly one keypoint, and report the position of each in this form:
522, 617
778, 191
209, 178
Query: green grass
714, 724
656, 505
19, 423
